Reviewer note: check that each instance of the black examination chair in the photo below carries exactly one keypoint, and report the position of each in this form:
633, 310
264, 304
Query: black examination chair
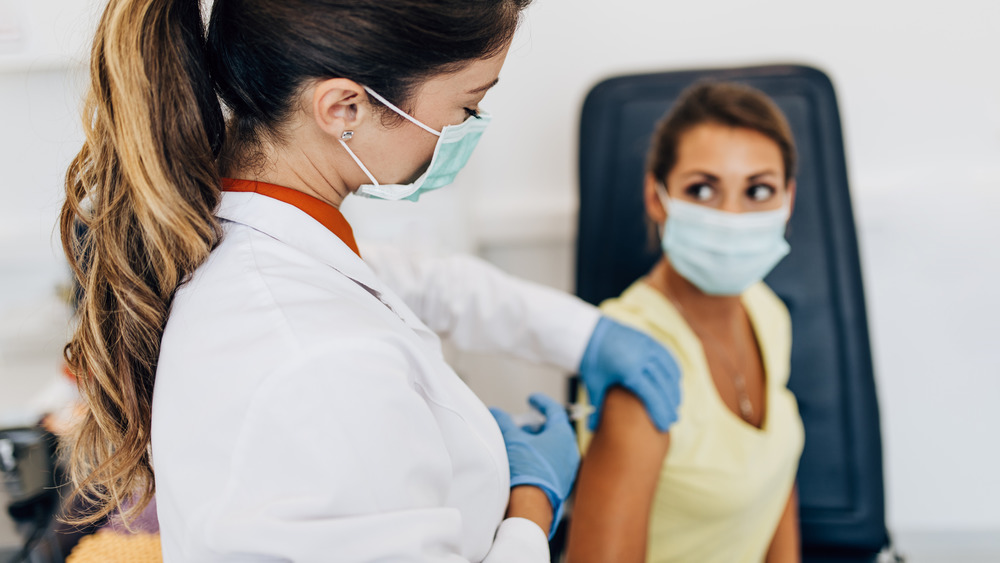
840, 474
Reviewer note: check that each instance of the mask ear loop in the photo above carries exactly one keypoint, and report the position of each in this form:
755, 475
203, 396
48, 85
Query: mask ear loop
786, 204
349, 135
401, 112
661, 193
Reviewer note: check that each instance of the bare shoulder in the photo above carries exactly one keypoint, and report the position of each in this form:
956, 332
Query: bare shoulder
616, 485
626, 430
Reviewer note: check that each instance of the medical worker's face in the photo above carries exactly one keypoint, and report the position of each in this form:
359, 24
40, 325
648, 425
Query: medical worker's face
400, 151
726, 168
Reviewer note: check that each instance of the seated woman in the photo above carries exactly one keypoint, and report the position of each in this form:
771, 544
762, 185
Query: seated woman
720, 485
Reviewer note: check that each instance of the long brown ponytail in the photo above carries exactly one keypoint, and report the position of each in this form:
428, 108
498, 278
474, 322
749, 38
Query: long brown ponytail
140, 195
136, 222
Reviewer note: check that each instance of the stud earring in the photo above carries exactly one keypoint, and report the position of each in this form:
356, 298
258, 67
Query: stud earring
347, 135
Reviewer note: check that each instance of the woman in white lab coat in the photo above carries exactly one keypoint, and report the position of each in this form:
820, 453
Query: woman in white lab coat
294, 404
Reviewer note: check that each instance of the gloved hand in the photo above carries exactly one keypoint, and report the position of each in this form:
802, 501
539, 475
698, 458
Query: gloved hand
545, 456
619, 355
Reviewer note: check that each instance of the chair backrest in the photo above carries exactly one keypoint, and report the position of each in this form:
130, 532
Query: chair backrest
840, 474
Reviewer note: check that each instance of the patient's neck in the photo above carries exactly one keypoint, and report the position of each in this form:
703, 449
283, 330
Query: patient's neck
693, 301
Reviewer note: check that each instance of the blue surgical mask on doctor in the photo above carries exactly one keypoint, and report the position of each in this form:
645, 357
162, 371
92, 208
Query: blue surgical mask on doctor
722, 253
454, 147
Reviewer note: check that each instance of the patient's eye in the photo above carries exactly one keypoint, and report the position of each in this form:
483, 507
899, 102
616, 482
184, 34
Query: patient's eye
472, 112
700, 191
761, 192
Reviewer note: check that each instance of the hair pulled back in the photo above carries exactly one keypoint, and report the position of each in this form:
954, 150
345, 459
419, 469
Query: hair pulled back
140, 195
262, 52
723, 103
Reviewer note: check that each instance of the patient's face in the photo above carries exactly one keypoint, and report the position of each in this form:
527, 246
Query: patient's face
730, 169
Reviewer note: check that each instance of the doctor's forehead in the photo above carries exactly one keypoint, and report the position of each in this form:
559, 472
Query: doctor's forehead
484, 88
473, 79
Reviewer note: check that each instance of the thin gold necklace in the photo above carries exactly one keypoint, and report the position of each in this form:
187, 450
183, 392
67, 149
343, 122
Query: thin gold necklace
739, 381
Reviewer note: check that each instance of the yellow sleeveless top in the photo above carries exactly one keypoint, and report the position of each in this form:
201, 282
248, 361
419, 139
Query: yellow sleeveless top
724, 483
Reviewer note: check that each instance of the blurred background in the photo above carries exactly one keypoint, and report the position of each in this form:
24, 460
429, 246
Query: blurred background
919, 93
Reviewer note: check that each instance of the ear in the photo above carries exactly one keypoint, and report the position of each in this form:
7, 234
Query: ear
654, 206
791, 196
337, 105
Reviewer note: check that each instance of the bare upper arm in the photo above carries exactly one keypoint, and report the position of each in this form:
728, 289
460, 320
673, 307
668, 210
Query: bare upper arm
786, 545
617, 481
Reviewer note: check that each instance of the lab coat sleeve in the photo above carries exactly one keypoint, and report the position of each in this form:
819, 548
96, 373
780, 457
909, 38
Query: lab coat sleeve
519, 539
340, 459
480, 308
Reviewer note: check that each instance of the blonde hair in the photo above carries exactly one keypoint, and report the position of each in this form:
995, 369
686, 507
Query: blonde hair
136, 222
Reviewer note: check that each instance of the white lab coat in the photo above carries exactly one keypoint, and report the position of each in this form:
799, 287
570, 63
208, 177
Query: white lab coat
302, 411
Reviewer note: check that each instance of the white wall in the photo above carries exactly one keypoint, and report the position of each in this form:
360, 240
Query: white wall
39, 133
920, 97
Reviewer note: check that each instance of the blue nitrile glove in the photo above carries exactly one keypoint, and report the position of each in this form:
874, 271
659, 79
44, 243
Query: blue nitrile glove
545, 456
619, 355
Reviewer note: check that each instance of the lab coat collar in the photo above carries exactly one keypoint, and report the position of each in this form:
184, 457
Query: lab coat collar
294, 227
328, 215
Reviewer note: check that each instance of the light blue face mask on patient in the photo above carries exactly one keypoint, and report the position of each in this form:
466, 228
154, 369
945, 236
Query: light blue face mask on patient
454, 147
719, 252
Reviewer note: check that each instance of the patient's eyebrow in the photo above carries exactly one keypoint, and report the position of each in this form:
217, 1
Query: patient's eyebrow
711, 177
484, 87
759, 175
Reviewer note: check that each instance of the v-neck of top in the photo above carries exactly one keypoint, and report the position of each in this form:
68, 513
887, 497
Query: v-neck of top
672, 319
